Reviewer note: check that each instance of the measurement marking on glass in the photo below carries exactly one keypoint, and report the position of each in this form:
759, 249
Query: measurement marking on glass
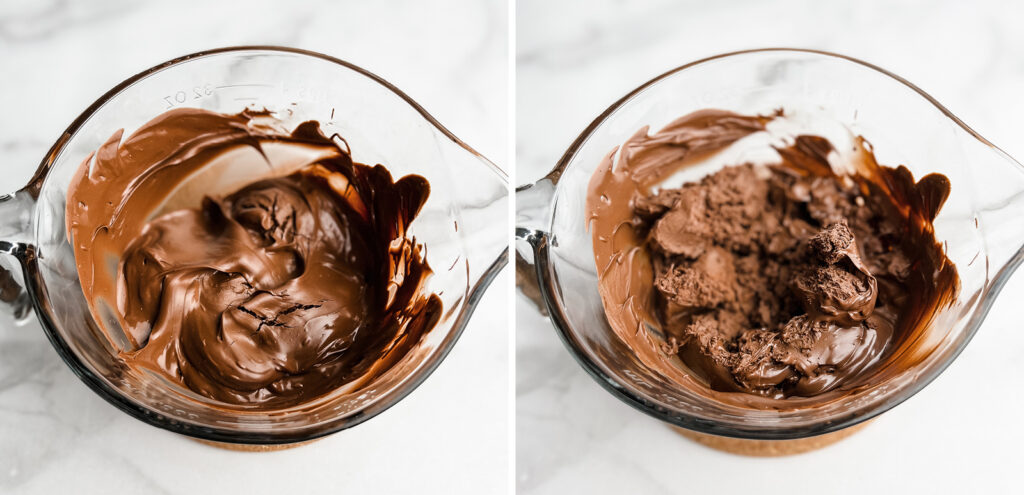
184, 95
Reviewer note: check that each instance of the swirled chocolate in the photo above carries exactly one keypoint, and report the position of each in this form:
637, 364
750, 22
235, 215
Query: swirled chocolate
770, 286
254, 266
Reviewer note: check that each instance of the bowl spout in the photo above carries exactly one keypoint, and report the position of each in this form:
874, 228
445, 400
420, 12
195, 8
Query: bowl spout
998, 184
480, 205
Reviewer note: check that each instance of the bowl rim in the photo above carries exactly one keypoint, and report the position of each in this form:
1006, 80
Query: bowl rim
544, 271
35, 285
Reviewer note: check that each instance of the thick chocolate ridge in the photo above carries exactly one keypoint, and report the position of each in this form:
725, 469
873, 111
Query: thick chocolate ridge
299, 281
773, 287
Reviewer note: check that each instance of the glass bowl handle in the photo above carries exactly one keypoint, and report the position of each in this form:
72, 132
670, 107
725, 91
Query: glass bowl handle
15, 215
533, 210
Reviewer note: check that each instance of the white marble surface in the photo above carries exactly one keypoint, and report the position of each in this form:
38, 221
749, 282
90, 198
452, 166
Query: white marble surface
961, 434
448, 436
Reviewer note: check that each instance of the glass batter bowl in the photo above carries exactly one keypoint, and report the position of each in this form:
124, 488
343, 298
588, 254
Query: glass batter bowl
824, 94
463, 225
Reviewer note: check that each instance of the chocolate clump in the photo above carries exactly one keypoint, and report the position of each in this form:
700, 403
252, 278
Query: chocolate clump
760, 281
776, 286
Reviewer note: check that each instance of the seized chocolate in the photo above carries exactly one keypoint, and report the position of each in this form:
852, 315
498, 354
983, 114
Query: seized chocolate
256, 267
773, 286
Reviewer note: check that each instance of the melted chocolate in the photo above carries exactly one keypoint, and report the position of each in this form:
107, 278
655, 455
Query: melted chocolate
297, 282
778, 286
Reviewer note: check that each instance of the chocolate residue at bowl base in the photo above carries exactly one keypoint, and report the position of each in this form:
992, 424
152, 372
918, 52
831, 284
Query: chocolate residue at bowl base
299, 281
777, 286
